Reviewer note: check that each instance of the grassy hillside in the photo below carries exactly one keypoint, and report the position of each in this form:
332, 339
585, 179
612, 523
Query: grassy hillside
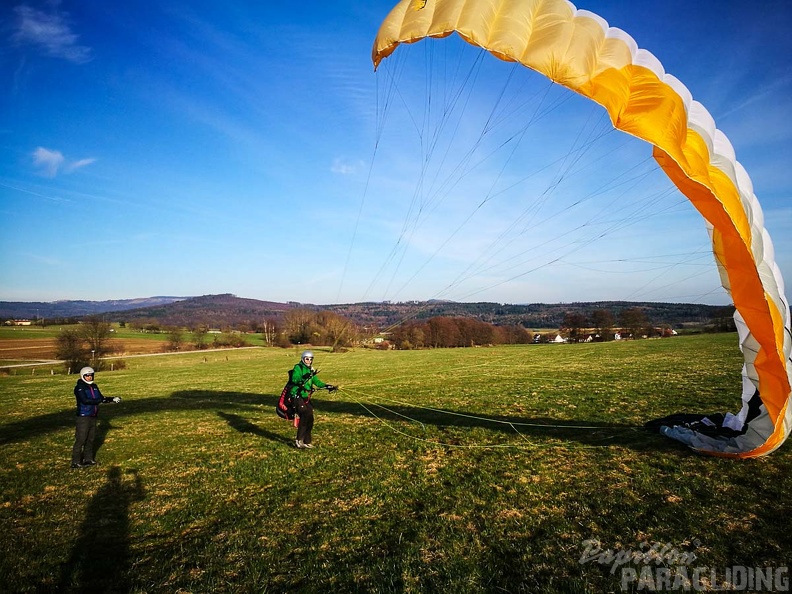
464, 470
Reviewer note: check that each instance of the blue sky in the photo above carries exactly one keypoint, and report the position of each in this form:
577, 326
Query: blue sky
192, 147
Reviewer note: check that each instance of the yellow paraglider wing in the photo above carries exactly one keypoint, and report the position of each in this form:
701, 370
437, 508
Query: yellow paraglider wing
577, 49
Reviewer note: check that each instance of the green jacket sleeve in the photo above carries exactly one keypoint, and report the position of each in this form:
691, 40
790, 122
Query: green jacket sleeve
317, 383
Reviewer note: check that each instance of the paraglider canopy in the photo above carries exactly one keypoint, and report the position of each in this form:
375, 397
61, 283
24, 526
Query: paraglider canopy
577, 49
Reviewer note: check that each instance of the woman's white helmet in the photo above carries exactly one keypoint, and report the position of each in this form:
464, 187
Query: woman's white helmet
306, 355
87, 371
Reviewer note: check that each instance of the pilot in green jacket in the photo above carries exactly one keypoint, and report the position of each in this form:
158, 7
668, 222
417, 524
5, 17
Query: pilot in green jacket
303, 382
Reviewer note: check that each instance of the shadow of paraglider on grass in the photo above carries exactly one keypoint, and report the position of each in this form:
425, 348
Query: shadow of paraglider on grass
237, 408
541, 429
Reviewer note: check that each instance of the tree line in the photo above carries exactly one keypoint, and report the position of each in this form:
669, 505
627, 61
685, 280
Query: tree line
89, 343
449, 332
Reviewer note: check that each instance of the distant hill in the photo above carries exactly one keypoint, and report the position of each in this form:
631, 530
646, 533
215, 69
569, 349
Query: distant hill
217, 311
14, 310
227, 310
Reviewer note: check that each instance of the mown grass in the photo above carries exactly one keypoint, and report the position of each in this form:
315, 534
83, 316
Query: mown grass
464, 470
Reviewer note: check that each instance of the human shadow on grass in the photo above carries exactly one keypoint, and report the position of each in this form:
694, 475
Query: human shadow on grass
103, 427
100, 559
595, 433
242, 425
178, 401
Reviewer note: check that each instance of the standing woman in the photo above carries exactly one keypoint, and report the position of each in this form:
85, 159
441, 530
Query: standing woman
303, 382
88, 400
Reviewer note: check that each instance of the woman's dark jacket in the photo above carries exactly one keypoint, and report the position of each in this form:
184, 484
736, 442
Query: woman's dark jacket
88, 398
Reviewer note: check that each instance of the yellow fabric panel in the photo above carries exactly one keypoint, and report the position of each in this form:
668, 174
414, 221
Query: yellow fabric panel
613, 54
642, 105
778, 324
728, 195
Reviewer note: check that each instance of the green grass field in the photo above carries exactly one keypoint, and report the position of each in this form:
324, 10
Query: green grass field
22, 332
461, 470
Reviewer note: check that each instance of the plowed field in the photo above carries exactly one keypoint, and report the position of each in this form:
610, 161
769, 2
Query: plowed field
41, 349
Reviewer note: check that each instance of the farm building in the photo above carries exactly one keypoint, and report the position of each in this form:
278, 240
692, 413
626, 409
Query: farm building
18, 322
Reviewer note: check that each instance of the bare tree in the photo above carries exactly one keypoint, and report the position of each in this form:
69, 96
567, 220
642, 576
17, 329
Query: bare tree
70, 348
336, 330
96, 333
299, 325
442, 332
634, 320
573, 323
269, 329
408, 336
513, 335
175, 339
603, 322
199, 336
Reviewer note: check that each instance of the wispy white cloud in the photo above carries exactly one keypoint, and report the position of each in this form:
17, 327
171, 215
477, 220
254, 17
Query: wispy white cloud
50, 32
70, 167
343, 167
47, 161
50, 163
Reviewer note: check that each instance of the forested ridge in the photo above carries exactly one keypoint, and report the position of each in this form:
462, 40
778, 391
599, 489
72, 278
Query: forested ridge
534, 315
230, 311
